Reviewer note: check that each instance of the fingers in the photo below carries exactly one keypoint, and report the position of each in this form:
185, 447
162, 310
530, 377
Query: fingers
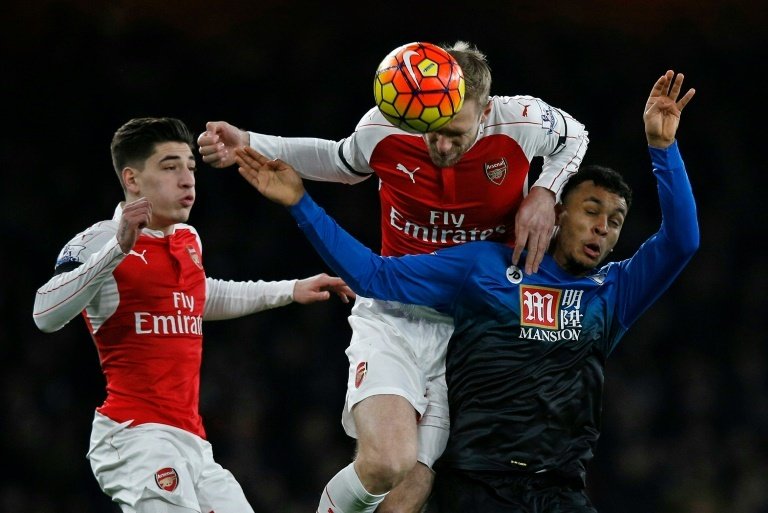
537, 249
250, 157
677, 83
519, 246
686, 98
658, 88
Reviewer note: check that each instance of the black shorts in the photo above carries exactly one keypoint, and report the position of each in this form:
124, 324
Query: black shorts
492, 492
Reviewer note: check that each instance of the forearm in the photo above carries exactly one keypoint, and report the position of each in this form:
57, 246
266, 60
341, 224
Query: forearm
232, 299
313, 159
662, 257
678, 207
416, 279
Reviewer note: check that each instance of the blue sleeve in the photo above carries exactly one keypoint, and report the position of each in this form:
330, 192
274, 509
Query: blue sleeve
660, 259
429, 280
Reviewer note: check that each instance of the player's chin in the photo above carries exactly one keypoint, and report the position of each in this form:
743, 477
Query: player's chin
181, 215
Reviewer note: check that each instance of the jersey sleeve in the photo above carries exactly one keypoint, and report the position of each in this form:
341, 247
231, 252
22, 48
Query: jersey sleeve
81, 268
565, 159
314, 159
231, 299
433, 279
651, 270
542, 131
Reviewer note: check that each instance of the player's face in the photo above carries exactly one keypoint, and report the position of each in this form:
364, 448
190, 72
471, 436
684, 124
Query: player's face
447, 145
588, 227
168, 181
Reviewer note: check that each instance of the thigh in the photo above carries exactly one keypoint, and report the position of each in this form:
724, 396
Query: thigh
386, 426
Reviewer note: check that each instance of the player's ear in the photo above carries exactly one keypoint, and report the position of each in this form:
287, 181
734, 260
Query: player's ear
130, 182
486, 111
559, 211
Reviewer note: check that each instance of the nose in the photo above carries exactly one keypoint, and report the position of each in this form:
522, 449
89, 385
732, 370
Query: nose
601, 225
443, 144
187, 178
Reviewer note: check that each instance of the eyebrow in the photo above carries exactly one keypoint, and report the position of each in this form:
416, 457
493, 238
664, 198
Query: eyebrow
175, 157
594, 199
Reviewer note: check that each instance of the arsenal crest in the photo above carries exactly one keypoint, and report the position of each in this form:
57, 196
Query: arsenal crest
194, 256
360, 372
496, 170
167, 479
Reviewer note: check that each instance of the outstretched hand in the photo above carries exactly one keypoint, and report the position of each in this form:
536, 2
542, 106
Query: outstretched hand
319, 288
663, 109
274, 179
218, 143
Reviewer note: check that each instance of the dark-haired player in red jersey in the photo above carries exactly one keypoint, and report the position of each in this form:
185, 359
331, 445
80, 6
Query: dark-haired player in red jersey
139, 282
467, 181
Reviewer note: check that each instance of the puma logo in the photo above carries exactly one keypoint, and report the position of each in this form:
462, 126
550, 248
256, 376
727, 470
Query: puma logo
140, 255
408, 172
407, 59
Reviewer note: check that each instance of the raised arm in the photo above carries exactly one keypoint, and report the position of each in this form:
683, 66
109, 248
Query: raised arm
663, 256
312, 158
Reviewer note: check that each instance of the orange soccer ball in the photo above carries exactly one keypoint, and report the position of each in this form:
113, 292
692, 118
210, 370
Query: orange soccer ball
419, 87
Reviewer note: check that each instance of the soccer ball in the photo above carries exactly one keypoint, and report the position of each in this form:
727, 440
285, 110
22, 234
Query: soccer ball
419, 87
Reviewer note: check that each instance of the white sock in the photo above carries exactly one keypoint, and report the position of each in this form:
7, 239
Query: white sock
344, 493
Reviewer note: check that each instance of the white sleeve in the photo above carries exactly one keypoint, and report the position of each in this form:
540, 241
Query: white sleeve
231, 299
565, 160
96, 253
313, 159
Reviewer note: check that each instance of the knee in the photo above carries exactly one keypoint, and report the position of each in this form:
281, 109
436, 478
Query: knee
384, 471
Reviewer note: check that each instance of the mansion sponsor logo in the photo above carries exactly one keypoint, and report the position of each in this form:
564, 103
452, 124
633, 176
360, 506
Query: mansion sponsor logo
550, 315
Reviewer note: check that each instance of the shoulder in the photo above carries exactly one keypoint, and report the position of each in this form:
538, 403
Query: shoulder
373, 123
372, 130
182, 229
87, 242
520, 108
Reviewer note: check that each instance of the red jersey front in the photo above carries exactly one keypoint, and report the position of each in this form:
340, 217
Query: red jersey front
150, 348
425, 208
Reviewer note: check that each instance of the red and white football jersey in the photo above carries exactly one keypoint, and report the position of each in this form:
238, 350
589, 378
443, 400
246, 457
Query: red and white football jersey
424, 207
145, 312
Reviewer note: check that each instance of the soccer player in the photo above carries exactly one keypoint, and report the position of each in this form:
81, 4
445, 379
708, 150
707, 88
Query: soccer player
467, 181
525, 364
139, 282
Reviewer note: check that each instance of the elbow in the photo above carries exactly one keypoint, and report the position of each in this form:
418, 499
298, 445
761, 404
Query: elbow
46, 323
43, 325
689, 243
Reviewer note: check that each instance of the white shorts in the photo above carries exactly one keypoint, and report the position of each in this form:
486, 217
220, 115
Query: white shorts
400, 349
160, 462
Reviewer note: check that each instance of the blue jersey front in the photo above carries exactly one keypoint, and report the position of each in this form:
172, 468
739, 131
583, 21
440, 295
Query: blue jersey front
525, 365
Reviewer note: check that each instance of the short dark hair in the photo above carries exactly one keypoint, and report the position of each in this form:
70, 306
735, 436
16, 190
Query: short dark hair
135, 141
605, 177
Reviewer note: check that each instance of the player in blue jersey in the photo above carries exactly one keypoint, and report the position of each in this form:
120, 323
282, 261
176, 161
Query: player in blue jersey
525, 364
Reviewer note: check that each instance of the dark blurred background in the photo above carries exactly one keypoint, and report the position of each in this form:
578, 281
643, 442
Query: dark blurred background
686, 411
